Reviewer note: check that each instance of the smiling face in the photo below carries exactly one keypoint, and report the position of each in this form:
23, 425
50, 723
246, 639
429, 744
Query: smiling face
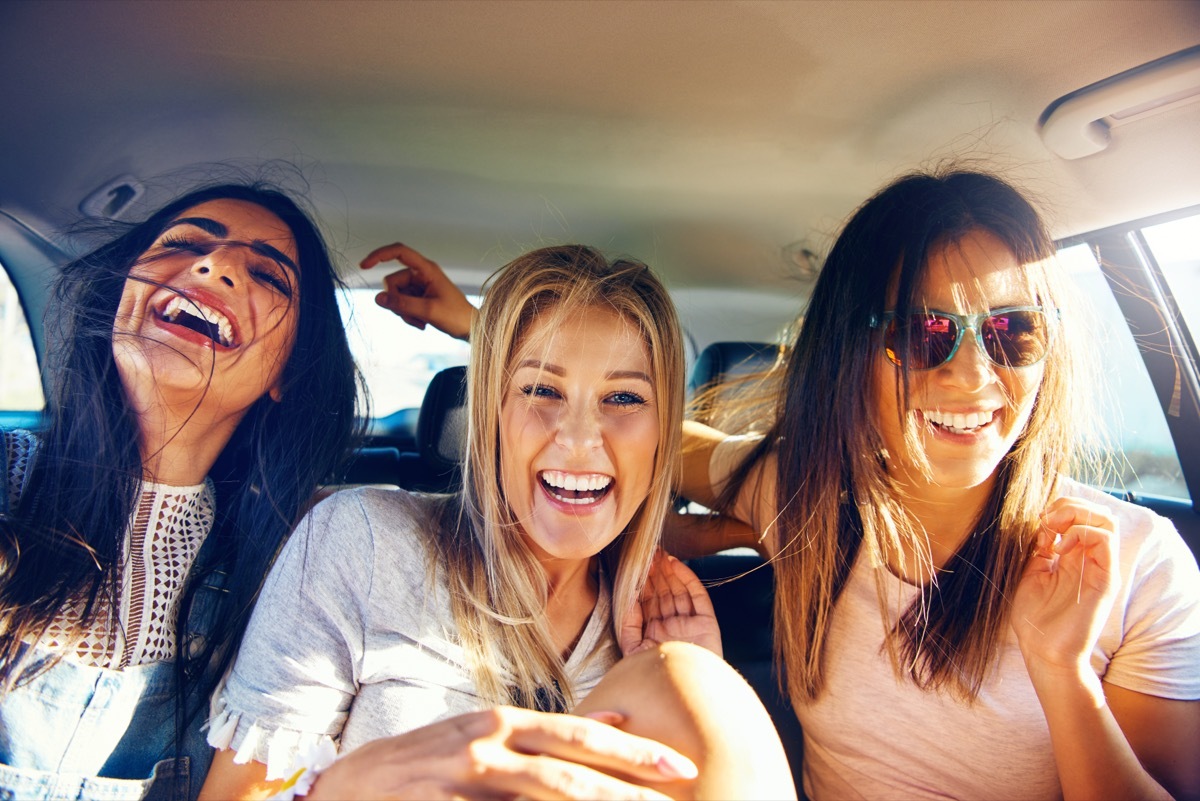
210, 309
578, 432
968, 412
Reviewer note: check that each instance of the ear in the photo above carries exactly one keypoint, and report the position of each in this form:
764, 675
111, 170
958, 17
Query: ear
275, 393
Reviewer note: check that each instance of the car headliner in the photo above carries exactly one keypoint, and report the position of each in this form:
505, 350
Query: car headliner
714, 140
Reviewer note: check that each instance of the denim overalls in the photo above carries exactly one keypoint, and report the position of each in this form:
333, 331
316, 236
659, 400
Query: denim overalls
82, 732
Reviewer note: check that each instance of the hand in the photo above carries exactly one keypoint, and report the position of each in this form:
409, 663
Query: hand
421, 293
506, 753
1068, 587
673, 606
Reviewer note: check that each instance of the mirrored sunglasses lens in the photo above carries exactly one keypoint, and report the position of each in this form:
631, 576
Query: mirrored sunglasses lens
1016, 338
921, 341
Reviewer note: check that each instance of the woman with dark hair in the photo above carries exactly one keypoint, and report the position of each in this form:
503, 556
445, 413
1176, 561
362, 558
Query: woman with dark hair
436, 641
202, 387
956, 617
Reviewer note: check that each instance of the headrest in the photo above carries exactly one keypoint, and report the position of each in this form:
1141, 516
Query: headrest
722, 361
442, 422
719, 364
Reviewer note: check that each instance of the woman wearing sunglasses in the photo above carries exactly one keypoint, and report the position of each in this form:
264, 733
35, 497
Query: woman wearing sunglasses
955, 616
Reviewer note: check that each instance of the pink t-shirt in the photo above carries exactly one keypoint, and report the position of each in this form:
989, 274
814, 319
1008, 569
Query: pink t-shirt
873, 735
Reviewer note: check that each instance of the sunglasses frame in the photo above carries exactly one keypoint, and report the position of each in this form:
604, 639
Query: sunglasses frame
973, 323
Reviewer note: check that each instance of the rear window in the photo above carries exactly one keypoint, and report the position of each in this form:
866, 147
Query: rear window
397, 360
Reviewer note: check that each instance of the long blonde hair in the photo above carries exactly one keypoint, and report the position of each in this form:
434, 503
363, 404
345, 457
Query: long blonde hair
833, 493
498, 589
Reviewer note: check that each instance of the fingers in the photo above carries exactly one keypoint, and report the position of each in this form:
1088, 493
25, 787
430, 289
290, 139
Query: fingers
396, 252
1074, 523
701, 602
631, 637
665, 593
595, 744
1066, 511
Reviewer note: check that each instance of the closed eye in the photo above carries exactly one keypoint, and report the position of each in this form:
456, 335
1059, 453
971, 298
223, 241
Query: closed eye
278, 282
183, 243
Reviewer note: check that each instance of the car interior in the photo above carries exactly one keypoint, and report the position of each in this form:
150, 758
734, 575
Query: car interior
722, 142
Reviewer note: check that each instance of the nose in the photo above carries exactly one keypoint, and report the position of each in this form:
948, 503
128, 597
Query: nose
971, 368
223, 264
579, 429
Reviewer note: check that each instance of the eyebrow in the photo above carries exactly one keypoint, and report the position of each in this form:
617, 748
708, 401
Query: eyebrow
220, 230
554, 369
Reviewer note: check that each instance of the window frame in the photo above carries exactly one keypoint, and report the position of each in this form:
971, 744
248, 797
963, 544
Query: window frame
1166, 345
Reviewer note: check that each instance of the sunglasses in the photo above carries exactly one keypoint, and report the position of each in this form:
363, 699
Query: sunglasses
1015, 336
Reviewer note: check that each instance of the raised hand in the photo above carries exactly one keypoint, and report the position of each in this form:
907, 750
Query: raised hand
421, 293
506, 753
1068, 587
673, 606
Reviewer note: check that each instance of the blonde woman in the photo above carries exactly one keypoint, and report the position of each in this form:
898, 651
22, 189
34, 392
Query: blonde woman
435, 641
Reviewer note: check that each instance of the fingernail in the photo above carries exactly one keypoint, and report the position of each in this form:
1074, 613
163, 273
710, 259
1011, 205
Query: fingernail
676, 766
607, 716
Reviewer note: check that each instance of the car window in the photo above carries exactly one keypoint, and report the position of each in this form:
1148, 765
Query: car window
20, 386
1176, 247
1137, 442
397, 360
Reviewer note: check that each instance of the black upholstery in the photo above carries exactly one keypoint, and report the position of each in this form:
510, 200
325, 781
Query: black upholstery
442, 429
721, 364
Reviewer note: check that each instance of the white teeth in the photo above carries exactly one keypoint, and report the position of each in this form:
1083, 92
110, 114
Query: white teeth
197, 309
959, 423
575, 482
577, 501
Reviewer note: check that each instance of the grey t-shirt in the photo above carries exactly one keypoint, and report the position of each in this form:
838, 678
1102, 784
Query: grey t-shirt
349, 642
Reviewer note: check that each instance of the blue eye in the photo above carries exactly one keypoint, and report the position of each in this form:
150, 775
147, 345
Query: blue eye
539, 391
625, 399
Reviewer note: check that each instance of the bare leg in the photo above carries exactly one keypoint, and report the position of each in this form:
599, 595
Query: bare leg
690, 699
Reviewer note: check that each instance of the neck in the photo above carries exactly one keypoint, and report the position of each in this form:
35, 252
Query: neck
946, 515
572, 598
567, 577
179, 449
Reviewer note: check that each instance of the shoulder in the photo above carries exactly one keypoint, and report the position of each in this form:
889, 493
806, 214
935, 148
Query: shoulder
19, 448
755, 501
370, 520
1151, 640
1143, 534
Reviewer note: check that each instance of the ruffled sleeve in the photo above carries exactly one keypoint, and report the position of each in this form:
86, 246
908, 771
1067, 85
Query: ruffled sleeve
285, 752
286, 699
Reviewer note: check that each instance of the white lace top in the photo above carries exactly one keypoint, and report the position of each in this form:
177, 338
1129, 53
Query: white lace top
161, 544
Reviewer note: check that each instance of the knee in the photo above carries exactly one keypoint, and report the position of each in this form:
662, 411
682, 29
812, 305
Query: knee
685, 676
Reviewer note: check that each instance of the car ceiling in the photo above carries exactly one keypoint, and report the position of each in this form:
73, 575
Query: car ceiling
715, 140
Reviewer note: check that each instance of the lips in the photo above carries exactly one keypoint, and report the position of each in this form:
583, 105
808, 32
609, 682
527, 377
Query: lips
959, 422
195, 315
576, 489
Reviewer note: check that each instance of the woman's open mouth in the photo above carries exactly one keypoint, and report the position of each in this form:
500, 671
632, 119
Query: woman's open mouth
958, 423
195, 316
577, 489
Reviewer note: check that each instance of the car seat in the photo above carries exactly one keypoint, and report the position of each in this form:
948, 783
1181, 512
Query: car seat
721, 380
442, 431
